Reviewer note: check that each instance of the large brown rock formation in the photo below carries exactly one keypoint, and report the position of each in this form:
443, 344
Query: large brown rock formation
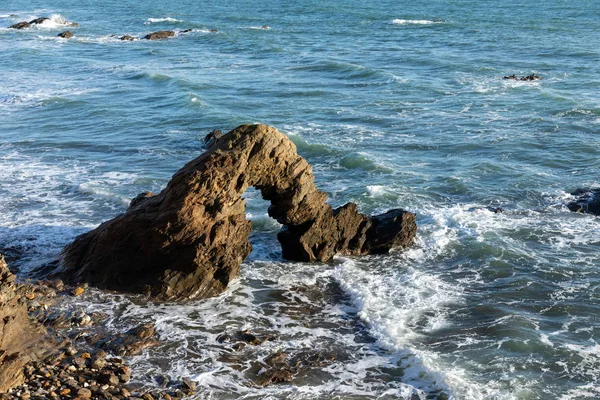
189, 240
21, 340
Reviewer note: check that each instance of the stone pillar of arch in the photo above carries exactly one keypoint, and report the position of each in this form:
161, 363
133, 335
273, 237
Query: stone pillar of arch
189, 240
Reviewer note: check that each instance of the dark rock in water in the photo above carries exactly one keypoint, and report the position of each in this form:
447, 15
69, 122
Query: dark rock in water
186, 31
127, 37
159, 35
21, 340
532, 77
38, 21
213, 30
20, 25
245, 336
588, 201
212, 138
65, 35
496, 210
265, 27
190, 240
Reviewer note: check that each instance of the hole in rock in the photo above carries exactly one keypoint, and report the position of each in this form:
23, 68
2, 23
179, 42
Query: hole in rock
264, 228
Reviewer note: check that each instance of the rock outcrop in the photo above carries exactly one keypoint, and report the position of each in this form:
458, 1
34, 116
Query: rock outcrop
65, 34
20, 25
159, 35
189, 240
21, 340
588, 201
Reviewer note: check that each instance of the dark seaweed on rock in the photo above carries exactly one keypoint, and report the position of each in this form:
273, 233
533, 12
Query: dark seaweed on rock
190, 240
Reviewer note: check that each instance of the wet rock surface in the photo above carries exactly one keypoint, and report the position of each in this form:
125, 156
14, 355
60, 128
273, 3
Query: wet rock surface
65, 35
190, 240
588, 201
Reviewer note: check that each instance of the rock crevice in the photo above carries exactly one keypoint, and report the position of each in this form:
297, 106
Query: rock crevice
189, 240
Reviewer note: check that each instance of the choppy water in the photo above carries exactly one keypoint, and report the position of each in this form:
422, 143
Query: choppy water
396, 105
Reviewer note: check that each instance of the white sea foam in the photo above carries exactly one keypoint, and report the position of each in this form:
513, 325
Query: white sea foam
159, 20
55, 21
412, 22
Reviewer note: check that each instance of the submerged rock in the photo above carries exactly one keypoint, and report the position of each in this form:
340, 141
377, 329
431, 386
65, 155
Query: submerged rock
20, 25
159, 35
588, 201
532, 77
190, 240
21, 340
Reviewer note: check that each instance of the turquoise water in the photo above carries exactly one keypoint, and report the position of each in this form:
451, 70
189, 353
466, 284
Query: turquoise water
395, 105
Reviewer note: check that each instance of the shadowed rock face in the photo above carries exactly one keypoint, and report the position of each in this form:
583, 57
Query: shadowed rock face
21, 340
189, 240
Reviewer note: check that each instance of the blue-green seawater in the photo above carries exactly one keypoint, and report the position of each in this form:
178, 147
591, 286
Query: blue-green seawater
395, 104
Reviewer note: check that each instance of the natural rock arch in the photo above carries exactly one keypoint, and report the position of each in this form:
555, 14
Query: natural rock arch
190, 240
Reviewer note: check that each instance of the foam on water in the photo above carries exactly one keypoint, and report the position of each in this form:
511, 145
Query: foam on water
413, 22
159, 20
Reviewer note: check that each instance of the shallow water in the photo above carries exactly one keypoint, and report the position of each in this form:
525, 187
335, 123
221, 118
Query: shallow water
395, 105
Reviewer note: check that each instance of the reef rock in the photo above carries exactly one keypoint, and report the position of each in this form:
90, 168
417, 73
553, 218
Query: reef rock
21, 341
159, 35
65, 34
588, 201
20, 25
38, 21
189, 240
528, 78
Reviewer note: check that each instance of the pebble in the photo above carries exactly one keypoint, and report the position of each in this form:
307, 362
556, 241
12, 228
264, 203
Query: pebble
78, 291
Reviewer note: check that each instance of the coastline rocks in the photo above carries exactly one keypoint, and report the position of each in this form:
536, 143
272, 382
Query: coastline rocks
20, 25
21, 340
189, 240
159, 35
38, 21
532, 77
127, 37
588, 201
132, 342
65, 35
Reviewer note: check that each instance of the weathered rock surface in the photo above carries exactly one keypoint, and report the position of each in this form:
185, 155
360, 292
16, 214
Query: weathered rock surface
21, 341
189, 240
588, 201
38, 21
159, 35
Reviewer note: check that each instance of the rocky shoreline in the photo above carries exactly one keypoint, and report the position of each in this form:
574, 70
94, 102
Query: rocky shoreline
196, 227
73, 355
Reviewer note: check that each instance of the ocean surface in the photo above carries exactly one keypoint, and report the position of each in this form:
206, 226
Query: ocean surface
395, 104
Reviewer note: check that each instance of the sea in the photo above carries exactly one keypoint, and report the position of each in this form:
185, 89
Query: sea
396, 104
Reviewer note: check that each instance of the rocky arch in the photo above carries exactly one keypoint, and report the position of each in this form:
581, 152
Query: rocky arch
190, 240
